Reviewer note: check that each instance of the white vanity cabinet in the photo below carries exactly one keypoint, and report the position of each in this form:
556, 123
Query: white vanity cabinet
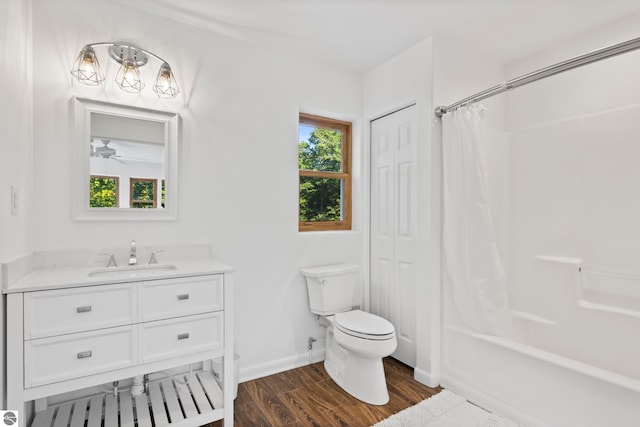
70, 338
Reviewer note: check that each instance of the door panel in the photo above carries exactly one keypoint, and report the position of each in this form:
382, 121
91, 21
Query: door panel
393, 226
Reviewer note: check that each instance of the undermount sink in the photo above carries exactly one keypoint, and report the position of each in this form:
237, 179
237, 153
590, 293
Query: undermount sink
131, 270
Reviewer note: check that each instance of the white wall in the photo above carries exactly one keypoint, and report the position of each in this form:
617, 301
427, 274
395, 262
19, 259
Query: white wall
399, 82
16, 142
15, 128
237, 161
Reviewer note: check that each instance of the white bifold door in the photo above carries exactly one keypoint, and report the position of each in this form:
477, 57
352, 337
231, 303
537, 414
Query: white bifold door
393, 226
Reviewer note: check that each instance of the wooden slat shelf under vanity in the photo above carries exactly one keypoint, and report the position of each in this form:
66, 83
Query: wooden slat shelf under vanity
168, 403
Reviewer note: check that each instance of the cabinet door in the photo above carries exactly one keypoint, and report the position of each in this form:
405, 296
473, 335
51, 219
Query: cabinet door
50, 360
163, 299
64, 311
165, 339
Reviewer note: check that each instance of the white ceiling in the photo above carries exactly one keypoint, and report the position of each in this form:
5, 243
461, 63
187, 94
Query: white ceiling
361, 34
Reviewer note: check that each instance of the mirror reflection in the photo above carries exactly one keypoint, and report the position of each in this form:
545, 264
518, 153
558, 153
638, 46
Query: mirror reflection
127, 163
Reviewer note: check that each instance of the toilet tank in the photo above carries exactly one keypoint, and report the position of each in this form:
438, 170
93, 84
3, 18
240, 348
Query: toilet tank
330, 287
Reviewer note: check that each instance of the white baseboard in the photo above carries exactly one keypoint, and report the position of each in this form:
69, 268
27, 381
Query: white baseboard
302, 359
426, 378
249, 373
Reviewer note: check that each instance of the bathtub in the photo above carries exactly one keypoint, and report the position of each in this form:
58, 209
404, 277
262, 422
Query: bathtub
575, 361
535, 387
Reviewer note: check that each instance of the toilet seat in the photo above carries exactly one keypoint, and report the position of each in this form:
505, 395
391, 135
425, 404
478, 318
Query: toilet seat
361, 324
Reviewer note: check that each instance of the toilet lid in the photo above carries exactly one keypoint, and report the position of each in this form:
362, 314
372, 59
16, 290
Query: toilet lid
358, 323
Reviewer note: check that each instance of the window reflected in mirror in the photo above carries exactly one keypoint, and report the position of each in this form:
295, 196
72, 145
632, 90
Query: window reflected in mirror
103, 191
128, 151
143, 193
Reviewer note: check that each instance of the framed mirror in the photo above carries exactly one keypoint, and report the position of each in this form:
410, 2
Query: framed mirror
125, 162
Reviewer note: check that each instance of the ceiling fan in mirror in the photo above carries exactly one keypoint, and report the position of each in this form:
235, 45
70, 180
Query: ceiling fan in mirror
107, 152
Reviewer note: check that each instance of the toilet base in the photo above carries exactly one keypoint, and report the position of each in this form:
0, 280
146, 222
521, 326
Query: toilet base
361, 377
369, 387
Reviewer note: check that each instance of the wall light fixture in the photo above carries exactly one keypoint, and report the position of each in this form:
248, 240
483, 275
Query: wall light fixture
87, 69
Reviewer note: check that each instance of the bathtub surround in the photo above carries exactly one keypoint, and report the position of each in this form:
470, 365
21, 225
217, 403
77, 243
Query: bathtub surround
562, 174
445, 409
548, 386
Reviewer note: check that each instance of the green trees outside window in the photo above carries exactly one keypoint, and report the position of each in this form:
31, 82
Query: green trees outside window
320, 198
143, 193
103, 192
324, 169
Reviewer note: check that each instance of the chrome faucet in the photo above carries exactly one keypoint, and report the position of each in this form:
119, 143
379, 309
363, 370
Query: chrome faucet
132, 254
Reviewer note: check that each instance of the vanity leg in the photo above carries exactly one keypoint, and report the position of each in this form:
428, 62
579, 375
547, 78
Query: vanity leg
15, 356
228, 351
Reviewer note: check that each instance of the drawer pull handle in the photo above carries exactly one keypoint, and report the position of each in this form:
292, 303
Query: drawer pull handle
183, 297
183, 336
84, 354
83, 309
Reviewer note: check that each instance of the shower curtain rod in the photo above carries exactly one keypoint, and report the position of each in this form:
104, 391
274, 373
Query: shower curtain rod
542, 73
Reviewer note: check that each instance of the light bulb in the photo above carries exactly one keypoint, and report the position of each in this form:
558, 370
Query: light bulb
166, 85
128, 77
87, 68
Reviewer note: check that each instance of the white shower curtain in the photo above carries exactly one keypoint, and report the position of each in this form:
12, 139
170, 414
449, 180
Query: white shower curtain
472, 259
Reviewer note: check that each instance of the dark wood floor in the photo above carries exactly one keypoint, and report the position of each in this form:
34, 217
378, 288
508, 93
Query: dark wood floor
308, 397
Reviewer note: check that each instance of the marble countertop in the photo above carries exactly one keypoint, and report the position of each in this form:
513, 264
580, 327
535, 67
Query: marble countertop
67, 277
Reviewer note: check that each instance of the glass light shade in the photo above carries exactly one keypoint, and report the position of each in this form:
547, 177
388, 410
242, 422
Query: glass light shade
128, 77
166, 85
87, 68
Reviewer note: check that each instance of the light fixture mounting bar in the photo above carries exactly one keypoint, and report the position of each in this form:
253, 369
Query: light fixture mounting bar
124, 52
126, 44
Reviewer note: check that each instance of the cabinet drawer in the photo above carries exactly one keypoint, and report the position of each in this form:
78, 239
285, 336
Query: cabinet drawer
163, 299
64, 311
49, 360
165, 339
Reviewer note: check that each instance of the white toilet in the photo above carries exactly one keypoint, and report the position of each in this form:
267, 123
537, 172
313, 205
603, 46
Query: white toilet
356, 340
